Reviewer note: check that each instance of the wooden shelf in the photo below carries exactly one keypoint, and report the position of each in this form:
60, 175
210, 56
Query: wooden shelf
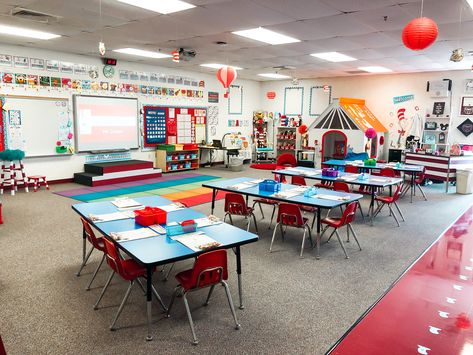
164, 164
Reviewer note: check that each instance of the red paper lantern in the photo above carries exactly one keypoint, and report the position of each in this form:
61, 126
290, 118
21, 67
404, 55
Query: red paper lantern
271, 95
226, 76
175, 56
302, 129
370, 133
420, 33
381, 140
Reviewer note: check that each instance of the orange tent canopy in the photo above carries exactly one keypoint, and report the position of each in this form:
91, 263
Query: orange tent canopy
362, 116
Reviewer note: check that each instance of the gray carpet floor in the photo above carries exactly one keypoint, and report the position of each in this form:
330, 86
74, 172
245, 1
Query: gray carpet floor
293, 305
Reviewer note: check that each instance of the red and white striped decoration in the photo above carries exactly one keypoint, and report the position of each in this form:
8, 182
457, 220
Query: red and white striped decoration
226, 76
175, 56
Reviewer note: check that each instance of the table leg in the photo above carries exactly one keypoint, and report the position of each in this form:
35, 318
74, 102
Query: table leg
446, 182
317, 242
84, 237
149, 295
214, 196
413, 176
371, 210
240, 289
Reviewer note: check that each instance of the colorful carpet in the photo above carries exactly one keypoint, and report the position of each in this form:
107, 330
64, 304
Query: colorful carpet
185, 188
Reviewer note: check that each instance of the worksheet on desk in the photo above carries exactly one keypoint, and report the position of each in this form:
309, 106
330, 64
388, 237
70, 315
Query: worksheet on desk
196, 241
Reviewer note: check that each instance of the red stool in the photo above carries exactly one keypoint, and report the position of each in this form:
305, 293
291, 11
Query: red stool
37, 180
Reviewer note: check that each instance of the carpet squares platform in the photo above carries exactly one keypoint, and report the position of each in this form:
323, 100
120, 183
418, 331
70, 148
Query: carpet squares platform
185, 188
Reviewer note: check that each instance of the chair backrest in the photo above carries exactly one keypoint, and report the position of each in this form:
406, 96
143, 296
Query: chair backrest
286, 159
351, 169
420, 177
397, 193
341, 186
236, 204
209, 269
290, 214
349, 213
113, 257
89, 233
2, 347
298, 180
387, 172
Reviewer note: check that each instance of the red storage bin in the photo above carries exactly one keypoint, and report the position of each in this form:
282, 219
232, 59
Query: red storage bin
150, 215
190, 146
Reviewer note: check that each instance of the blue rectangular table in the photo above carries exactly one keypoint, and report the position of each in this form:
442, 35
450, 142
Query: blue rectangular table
318, 203
160, 250
373, 182
411, 169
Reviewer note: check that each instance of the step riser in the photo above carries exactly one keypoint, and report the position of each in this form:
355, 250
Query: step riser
88, 180
101, 170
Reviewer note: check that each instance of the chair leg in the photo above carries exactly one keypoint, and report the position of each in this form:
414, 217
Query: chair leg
323, 231
189, 316
392, 213
120, 309
272, 217
173, 297
422, 192
95, 273
85, 261
158, 297
96, 305
230, 303
256, 226
378, 210
303, 241
231, 219
354, 235
313, 219
330, 236
141, 285
249, 223
310, 237
274, 235
361, 211
169, 272
261, 209
340, 241
400, 212
348, 235
209, 295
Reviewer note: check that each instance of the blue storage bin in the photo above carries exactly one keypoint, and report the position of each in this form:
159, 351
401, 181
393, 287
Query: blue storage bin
269, 185
187, 165
174, 167
193, 156
169, 157
182, 156
176, 229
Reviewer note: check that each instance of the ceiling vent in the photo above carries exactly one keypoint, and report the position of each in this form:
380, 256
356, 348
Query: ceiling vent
284, 67
186, 54
353, 72
26, 14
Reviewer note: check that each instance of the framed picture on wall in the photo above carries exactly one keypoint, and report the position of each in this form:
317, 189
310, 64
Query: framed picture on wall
466, 108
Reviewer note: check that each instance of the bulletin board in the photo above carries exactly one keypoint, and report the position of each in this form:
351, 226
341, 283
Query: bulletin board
2, 128
293, 100
182, 124
38, 125
235, 100
320, 98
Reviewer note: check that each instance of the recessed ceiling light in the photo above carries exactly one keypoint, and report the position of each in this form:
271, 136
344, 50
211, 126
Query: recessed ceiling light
375, 69
142, 53
333, 57
470, 2
266, 36
161, 6
24, 32
218, 66
275, 76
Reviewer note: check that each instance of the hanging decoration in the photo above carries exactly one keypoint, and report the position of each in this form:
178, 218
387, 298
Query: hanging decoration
102, 48
175, 56
226, 76
457, 55
271, 95
420, 33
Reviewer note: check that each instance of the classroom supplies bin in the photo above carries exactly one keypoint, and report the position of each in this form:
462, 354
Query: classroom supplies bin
182, 156
193, 156
61, 149
169, 157
150, 215
188, 226
329, 172
190, 146
174, 166
178, 146
370, 162
269, 185
175, 157
187, 165
166, 147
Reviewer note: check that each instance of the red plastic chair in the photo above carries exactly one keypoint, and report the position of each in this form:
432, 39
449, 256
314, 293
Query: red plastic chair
129, 270
337, 222
298, 180
351, 169
325, 184
344, 187
97, 243
388, 201
235, 205
2, 347
209, 270
285, 160
388, 172
290, 215
266, 201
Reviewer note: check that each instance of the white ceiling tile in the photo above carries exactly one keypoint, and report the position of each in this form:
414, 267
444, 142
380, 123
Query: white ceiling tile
300, 10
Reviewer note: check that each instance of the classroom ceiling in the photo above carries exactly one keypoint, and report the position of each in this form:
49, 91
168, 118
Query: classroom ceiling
369, 30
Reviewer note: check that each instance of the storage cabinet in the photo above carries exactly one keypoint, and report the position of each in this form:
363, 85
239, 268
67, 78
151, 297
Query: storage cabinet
177, 160
286, 140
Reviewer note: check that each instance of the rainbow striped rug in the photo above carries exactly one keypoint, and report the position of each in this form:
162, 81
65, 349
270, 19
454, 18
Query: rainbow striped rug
186, 188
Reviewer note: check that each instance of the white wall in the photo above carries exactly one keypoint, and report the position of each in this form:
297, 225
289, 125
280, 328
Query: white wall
63, 167
378, 91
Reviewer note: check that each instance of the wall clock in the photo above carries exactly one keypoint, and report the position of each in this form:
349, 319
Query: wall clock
108, 71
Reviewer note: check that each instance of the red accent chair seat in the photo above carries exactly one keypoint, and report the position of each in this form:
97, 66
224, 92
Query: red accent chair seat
388, 201
235, 205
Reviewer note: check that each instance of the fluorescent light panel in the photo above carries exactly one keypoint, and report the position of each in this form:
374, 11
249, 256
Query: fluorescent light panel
24, 32
333, 57
218, 66
470, 2
142, 53
274, 76
266, 36
160, 6
375, 69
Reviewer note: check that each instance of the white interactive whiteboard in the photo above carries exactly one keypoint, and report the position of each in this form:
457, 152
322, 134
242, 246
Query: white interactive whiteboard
37, 125
105, 123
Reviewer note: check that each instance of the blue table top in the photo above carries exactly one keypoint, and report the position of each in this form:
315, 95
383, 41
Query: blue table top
373, 180
299, 199
161, 249
403, 167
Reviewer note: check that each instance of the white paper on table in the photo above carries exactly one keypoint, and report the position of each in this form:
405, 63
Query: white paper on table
332, 197
254, 182
126, 202
206, 221
380, 180
172, 207
133, 234
290, 193
158, 228
108, 217
241, 186
348, 178
196, 241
